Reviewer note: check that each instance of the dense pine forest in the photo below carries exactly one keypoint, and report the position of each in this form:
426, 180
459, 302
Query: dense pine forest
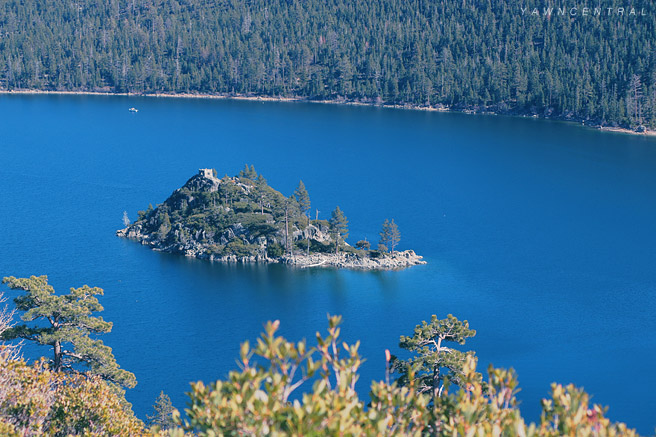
479, 55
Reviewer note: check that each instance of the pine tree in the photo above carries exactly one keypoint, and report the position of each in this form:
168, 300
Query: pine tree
66, 320
288, 247
384, 236
389, 235
634, 100
427, 342
163, 417
303, 199
165, 226
339, 227
248, 173
395, 235
363, 244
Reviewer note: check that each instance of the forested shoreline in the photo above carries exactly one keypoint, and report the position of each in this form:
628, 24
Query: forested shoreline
476, 56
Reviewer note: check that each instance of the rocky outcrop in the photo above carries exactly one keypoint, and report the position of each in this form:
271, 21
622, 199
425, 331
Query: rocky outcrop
344, 260
243, 220
205, 180
397, 260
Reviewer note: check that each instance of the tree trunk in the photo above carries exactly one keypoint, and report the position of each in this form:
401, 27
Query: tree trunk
436, 384
308, 234
286, 231
58, 357
436, 395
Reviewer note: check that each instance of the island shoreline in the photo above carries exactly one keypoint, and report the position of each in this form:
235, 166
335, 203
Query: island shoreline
256, 98
244, 234
399, 260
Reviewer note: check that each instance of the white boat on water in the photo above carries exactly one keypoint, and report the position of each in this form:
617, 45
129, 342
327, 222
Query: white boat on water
133, 110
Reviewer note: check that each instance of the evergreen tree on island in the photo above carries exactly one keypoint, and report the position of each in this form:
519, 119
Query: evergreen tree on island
248, 173
363, 244
339, 227
303, 199
390, 236
68, 322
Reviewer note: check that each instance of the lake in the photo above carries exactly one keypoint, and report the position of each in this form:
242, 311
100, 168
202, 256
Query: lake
542, 234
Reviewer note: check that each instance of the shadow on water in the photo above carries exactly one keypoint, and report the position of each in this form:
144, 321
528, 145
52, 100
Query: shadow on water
268, 277
260, 276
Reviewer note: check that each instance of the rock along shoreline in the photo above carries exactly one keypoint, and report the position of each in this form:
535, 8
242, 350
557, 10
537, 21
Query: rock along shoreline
343, 260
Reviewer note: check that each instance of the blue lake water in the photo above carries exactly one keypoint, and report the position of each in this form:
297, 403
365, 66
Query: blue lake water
541, 234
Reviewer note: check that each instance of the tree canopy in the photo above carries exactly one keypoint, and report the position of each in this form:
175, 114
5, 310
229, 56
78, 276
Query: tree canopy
339, 227
68, 323
390, 236
37, 400
476, 55
434, 362
163, 413
302, 197
247, 172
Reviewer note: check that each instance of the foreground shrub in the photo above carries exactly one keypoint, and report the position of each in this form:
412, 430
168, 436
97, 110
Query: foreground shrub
35, 400
261, 399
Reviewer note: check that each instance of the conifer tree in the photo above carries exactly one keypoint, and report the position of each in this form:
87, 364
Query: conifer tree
339, 227
165, 226
390, 235
395, 235
68, 322
303, 199
432, 356
163, 417
363, 244
384, 236
248, 173
634, 100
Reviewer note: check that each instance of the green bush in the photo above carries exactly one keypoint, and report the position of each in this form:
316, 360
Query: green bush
241, 207
363, 244
216, 249
257, 398
317, 246
275, 250
238, 248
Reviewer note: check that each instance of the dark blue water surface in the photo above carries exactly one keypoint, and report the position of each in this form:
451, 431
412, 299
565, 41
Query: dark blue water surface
541, 234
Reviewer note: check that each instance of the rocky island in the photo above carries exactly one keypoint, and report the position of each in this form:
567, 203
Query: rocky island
243, 219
